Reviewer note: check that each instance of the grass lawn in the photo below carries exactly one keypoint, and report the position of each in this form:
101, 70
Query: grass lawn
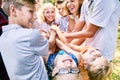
116, 62
116, 66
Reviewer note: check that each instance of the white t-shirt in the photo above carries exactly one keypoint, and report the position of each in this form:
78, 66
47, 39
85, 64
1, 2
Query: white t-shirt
105, 14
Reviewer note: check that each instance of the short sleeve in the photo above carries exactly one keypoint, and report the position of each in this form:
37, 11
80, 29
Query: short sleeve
38, 43
82, 14
101, 12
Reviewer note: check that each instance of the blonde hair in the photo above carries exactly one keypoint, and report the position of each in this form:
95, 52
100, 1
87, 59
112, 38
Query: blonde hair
45, 6
18, 4
102, 73
98, 72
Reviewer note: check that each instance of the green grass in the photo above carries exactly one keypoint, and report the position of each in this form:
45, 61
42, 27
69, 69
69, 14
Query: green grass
116, 62
116, 69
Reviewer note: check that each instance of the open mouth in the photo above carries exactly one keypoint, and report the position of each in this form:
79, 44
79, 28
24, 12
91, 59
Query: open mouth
71, 9
67, 60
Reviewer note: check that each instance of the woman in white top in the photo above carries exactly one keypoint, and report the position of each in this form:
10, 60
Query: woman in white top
102, 25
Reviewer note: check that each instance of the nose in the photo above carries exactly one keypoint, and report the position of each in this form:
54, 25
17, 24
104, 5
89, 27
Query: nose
97, 54
68, 64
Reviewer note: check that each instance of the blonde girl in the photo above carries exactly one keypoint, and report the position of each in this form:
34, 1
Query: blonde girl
46, 18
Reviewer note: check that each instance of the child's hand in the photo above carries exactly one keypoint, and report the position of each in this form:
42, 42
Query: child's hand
54, 27
45, 34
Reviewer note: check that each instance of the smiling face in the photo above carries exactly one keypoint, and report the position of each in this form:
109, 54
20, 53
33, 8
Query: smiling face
27, 17
49, 15
100, 62
98, 67
91, 56
60, 8
74, 5
48, 11
64, 61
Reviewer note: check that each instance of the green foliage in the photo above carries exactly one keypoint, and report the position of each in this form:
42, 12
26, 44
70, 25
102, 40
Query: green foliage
118, 40
115, 76
51, 1
116, 70
119, 35
32, 1
116, 62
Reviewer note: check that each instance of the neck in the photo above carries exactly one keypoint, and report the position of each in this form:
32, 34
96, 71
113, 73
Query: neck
49, 22
12, 20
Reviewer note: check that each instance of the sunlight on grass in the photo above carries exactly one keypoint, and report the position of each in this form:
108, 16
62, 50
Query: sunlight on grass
116, 62
116, 66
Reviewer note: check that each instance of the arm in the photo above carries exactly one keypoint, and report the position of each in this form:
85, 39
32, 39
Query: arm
60, 34
52, 43
38, 43
86, 33
52, 38
77, 47
65, 47
77, 41
45, 34
79, 26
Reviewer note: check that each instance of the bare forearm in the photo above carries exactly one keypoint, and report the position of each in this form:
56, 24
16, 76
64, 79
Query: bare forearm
79, 26
52, 38
87, 33
59, 33
77, 41
65, 47
79, 34
61, 36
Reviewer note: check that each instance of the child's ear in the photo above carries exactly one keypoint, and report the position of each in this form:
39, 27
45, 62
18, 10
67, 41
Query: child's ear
12, 10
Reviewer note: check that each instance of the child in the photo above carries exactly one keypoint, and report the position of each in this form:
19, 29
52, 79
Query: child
91, 57
61, 8
46, 18
89, 68
21, 47
61, 61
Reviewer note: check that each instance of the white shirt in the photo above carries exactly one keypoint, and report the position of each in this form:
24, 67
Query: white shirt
105, 14
22, 50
